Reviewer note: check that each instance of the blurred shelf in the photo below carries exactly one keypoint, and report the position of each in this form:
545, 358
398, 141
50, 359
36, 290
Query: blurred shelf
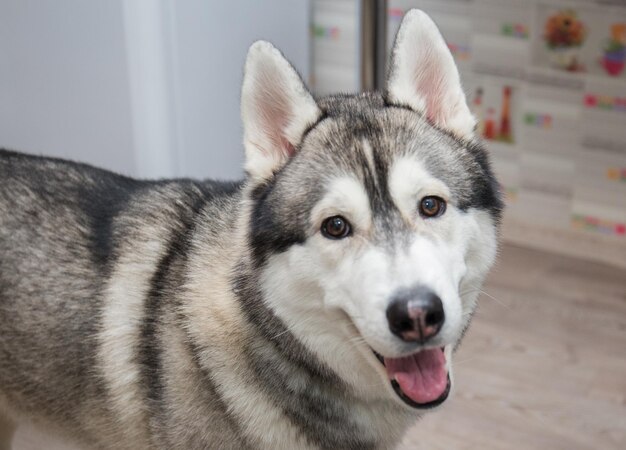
579, 244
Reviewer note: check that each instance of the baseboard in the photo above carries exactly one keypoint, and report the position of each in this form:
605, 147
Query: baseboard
579, 244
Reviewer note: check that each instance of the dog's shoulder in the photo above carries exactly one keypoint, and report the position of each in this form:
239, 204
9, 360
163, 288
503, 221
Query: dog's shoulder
96, 205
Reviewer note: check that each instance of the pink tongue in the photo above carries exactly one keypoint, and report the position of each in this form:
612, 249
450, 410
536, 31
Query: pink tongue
422, 377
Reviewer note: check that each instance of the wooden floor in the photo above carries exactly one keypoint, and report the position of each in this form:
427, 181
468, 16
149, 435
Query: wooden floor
543, 366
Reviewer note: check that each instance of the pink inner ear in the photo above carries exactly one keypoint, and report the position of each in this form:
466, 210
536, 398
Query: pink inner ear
434, 104
431, 84
275, 115
276, 121
287, 147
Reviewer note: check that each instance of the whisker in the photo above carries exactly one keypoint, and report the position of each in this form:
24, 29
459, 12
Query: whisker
496, 300
489, 296
463, 361
468, 292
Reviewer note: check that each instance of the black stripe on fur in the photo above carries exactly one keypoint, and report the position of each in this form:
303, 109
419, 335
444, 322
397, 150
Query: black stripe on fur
168, 278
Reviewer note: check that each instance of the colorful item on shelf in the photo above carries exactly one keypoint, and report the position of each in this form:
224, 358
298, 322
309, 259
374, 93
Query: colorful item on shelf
490, 125
564, 35
616, 174
321, 31
589, 223
516, 30
477, 110
538, 120
614, 57
605, 102
505, 117
461, 52
396, 14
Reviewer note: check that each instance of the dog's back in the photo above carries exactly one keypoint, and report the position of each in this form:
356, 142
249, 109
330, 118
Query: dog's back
63, 228
50, 251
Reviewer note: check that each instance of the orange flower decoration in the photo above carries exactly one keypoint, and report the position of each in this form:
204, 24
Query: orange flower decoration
564, 29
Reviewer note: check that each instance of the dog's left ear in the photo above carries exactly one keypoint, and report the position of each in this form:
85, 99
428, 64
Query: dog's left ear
276, 110
424, 77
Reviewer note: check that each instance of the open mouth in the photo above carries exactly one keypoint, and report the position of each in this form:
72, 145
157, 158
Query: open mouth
421, 380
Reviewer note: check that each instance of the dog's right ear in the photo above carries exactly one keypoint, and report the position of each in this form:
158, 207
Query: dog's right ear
424, 77
276, 110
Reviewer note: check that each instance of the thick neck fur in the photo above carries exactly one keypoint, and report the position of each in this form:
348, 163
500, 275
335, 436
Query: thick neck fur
255, 358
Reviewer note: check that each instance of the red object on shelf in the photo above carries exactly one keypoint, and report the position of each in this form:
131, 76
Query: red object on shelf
505, 119
490, 125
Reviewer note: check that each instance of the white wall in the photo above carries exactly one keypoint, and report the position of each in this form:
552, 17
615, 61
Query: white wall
212, 41
145, 87
63, 81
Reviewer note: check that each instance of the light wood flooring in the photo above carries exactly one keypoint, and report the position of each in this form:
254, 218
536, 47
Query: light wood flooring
542, 367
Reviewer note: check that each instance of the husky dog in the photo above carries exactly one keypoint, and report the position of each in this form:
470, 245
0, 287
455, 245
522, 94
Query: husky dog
315, 305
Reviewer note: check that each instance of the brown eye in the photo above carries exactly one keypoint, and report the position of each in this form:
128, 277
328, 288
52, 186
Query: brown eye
432, 206
336, 227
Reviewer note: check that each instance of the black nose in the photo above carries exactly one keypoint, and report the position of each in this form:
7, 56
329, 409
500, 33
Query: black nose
415, 315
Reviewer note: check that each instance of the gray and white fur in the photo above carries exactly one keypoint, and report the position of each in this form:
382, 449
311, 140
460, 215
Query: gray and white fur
212, 315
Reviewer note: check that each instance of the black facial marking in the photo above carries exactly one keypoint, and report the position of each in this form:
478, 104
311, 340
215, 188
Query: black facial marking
395, 129
245, 285
271, 232
486, 193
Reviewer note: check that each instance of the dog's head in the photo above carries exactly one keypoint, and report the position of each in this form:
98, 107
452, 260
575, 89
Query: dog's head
373, 217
